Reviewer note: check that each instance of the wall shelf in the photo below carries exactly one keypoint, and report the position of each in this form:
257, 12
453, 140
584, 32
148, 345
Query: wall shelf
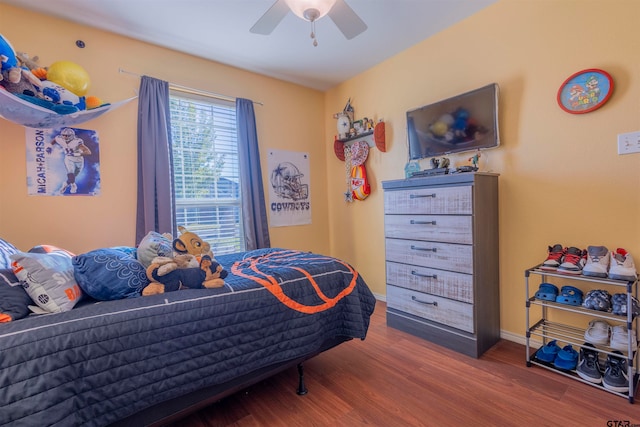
366, 136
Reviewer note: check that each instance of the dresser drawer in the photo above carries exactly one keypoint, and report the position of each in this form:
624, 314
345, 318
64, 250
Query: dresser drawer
443, 256
455, 314
450, 200
441, 259
456, 286
438, 228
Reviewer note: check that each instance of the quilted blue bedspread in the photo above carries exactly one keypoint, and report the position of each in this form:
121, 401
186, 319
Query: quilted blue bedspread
104, 361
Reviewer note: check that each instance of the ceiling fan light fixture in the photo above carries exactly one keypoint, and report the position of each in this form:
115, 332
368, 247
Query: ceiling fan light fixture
310, 10
311, 15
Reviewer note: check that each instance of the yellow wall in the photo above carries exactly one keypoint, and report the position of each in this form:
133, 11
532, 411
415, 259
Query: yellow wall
561, 179
291, 119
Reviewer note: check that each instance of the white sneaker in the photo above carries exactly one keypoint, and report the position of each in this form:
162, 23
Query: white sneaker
597, 261
63, 188
620, 339
598, 332
622, 266
74, 188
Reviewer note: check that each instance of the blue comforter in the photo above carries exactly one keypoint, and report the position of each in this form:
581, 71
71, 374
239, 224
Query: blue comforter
104, 361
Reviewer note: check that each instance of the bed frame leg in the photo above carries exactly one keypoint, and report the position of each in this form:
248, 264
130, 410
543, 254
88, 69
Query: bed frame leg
302, 390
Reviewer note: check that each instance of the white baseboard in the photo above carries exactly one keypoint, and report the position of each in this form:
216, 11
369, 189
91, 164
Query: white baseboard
519, 339
380, 297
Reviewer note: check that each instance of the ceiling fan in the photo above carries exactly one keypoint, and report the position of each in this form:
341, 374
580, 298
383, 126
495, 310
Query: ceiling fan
347, 21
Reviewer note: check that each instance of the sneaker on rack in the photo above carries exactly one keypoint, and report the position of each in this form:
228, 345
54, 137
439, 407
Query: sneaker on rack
598, 299
615, 376
567, 358
620, 339
548, 352
619, 305
598, 332
574, 261
554, 259
622, 266
589, 367
597, 261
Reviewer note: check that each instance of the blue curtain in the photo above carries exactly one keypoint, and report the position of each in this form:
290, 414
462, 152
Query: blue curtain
155, 160
256, 228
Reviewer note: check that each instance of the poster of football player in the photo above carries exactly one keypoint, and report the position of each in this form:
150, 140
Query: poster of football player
289, 195
63, 162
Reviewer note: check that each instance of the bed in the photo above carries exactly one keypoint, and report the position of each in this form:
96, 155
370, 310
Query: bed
147, 360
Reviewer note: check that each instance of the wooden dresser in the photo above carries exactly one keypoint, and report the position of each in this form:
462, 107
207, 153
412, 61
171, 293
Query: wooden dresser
442, 267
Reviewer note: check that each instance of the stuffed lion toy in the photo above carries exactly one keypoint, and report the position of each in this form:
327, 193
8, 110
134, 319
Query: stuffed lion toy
215, 274
190, 243
183, 271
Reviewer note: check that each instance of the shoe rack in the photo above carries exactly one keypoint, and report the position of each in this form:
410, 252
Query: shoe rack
539, 324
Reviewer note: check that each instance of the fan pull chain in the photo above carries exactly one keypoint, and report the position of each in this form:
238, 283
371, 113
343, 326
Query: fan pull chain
313, 33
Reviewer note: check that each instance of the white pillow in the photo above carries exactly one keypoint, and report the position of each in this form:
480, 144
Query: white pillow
48, 279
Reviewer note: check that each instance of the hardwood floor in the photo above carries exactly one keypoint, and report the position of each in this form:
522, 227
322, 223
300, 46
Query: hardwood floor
394, 379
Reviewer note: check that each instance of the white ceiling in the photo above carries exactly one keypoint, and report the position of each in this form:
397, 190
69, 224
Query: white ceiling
219, 30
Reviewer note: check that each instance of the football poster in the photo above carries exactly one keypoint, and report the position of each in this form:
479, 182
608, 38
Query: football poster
63, 162
289, 195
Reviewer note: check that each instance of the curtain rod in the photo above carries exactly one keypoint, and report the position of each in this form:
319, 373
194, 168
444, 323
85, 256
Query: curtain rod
185, 89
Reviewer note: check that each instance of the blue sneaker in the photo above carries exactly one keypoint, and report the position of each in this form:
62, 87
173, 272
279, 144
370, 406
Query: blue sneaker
548, 352
567, 359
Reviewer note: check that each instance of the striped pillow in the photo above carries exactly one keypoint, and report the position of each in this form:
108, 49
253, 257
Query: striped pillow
6, 250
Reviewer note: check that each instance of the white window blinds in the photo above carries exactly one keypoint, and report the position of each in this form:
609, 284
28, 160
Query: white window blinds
206, 175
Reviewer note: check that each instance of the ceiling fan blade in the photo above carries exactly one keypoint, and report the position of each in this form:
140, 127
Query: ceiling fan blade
347, 21
271, 18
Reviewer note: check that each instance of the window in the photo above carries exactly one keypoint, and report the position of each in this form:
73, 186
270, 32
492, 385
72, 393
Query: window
206, 171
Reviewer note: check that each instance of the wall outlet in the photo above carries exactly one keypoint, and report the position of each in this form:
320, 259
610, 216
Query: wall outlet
629, 142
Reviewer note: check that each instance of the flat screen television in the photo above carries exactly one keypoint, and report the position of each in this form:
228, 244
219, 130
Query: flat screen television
465, 122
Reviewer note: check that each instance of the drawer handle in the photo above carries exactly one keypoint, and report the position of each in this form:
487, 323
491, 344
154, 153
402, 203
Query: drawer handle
428, 276
413, 221
433, 303
417, 196
415, 248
